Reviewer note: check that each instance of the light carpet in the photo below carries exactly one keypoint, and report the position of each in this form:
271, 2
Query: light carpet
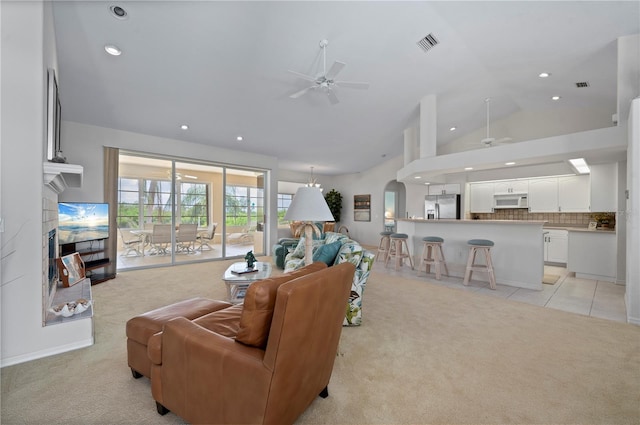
424, 354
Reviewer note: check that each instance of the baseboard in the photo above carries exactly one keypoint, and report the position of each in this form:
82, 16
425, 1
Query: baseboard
10, 361
632, 320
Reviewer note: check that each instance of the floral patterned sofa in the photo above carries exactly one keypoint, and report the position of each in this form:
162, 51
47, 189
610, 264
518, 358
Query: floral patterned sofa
335, 248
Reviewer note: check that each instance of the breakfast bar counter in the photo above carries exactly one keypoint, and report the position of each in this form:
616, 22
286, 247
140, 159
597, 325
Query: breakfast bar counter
518, 254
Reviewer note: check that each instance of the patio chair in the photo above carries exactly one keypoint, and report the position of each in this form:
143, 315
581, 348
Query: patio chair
206, 236
186, 238
160, 239
131, 243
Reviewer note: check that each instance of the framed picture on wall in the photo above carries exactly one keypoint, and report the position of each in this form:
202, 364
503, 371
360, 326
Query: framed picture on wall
54, 113
362, 207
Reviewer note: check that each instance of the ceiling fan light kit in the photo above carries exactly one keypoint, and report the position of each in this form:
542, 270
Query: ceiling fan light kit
326, 80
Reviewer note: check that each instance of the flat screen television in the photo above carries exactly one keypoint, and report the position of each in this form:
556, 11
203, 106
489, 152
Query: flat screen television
82, 221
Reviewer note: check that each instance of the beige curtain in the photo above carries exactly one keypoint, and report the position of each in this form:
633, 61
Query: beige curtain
111, 159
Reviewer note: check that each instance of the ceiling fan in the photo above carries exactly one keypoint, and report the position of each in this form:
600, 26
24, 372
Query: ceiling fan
491, 141
326, 81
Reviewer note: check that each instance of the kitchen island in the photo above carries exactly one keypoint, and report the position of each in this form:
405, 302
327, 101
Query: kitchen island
517, 255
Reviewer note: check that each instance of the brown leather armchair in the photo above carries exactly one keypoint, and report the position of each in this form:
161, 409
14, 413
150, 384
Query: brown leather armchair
206, 377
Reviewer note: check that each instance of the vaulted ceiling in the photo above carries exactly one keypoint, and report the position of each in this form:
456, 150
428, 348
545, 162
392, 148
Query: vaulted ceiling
221, 68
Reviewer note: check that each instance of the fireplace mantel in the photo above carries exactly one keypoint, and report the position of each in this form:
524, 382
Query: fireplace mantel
58, 176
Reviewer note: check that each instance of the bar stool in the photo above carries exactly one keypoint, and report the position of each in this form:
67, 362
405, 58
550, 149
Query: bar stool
398, 240
383, 247
432, 254
483, 245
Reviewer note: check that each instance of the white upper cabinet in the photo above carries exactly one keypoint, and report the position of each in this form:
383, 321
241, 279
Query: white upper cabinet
543, 194
604, 187
444, 189
481, 197
504, 187
574, 193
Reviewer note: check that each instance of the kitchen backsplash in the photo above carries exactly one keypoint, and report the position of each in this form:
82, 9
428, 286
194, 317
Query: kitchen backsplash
579, 219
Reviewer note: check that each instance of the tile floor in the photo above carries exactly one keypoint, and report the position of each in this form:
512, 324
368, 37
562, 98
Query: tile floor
582, 296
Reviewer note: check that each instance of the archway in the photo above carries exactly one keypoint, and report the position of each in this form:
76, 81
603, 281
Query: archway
395, 201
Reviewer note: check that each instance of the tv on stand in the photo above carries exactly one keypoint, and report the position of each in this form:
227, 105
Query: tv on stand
83, 227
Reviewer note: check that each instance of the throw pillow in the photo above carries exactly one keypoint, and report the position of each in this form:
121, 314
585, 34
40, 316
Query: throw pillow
299, 251
351, 252
327, 252
331, 237
259, 302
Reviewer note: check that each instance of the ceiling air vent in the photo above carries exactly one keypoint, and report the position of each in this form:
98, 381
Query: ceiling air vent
428, 42
582, 84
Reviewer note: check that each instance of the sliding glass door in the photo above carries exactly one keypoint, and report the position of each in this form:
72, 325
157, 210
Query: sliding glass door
174, 211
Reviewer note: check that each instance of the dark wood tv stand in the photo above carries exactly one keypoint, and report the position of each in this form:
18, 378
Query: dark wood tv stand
95, 257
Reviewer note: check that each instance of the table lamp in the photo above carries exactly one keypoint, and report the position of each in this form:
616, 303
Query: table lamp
308, 206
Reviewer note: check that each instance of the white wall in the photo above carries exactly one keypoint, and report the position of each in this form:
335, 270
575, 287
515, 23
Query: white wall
632, 294
27, 50
373, 182
531, 125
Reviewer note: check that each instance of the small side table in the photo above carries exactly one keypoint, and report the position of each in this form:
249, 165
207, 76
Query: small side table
237, 284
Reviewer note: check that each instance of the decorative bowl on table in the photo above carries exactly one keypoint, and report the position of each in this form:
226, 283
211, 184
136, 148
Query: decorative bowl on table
71, 308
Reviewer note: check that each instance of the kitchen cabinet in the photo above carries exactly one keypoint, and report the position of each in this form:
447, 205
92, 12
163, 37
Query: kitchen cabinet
543, 194
593, 255
604, 187
504, 187
574, 193
444, 189
556, 246
481, 197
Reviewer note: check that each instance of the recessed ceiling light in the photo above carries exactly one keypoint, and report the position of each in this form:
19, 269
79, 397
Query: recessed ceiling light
468, 168
184, 127
239, 138
118, 12
113, 50
427, 183
555, 98
509, 163
544, 75
453, 129
417, 177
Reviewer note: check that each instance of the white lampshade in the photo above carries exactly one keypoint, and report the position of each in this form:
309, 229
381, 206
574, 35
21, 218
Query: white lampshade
308, 205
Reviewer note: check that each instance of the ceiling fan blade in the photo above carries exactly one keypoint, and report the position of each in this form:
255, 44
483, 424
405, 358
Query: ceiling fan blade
352, 84
504, 140
334, 70
301, 92
303, 76
332, 97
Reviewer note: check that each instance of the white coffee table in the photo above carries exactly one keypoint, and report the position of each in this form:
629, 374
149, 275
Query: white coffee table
237, 284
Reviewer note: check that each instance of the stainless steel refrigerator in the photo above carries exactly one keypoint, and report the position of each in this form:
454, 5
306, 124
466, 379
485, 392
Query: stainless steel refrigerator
442, 206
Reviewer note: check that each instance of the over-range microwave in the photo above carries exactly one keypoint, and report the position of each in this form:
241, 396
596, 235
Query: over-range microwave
511, 200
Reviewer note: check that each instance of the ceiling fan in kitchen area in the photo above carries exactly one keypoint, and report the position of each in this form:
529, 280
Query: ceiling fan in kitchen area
492, 141
326, 81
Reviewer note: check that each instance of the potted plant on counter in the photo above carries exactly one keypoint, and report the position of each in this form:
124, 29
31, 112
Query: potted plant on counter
605, 220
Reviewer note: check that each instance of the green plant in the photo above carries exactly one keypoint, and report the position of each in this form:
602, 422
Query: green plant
334, 201
603, 216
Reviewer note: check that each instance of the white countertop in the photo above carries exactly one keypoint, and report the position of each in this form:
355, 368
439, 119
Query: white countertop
579, 229
452, 221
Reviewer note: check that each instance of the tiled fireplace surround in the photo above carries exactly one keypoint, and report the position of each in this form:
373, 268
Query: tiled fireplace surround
49, 222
